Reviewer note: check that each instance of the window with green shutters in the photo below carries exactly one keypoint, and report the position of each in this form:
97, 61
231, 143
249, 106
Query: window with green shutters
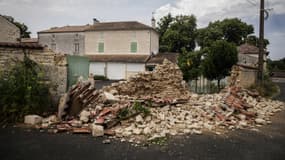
134, 47
101, 47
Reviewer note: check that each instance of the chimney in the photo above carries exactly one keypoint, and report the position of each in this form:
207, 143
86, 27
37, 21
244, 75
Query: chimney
95, 20
153, 21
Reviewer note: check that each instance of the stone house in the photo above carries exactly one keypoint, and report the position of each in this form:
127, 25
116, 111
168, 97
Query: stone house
9, 32
65, 40
116, 49
248, 55
248, 64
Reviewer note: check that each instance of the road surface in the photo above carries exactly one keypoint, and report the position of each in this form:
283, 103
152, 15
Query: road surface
268, 144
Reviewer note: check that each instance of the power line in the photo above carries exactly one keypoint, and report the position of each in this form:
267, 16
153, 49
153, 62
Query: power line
252, 3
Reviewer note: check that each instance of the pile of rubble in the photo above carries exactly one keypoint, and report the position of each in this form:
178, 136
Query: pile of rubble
157, 104
165, 82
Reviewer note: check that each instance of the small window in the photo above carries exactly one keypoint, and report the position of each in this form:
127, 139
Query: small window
53, 46
76, 48
101, 35
101, 47
134, 47
134, 34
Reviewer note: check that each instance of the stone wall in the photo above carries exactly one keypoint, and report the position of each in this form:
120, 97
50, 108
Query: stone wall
54, 66
64, 42
8, 31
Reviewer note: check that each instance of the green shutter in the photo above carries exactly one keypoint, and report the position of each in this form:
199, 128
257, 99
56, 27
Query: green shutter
101, 47
134, 47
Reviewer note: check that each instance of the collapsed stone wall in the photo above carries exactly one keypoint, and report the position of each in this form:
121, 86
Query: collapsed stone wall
53, 65
166, 81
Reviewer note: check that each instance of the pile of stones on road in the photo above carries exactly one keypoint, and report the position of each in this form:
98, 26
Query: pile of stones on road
156, 104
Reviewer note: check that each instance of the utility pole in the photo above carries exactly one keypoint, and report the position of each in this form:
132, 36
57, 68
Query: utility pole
261, 40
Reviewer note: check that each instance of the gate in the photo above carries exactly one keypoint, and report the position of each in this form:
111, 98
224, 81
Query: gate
77, 66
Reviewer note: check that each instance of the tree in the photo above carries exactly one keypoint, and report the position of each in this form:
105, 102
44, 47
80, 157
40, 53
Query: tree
23, 28
190, 65
277, 65
177, 33
220, 58
235, 30
163, 25
232, 30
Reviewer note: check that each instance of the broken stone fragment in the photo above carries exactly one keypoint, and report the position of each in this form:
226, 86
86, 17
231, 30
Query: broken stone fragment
106, 141
84, 116
146, 130
260, 121
110, 97
97, 130
33, 119
49, 120
137, 131
139, 119
75, 123
81, 130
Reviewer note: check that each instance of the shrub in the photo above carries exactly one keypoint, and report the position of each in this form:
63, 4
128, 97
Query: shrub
267, 89
22, 91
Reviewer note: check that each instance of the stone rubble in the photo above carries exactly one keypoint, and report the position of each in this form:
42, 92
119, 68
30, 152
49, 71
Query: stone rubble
157, 104
32, 119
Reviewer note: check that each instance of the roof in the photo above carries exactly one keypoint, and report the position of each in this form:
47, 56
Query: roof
128, 25
66, 29
20, 45
158, 59
119, 58
7, 19
100, 26
29, 40
247, 66
247, 49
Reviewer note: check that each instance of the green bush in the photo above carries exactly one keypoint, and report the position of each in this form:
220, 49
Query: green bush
267, 89
99, 77
22, 91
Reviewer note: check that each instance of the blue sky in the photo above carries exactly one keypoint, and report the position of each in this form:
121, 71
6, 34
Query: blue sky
43, 14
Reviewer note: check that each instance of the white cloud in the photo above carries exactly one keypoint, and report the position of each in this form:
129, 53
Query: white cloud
210, 10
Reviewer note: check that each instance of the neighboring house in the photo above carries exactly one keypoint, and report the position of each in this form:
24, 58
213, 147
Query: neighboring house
9, 32
248, 64
120, 49
248, 55
115, 49
65, 40
159, 58
117, 66
29, 40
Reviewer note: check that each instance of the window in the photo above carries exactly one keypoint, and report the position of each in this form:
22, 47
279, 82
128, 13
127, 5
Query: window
134, 47
76, 48
53, 46
100, 47
101, 35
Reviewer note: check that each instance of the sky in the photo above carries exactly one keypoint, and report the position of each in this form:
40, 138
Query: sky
43, 14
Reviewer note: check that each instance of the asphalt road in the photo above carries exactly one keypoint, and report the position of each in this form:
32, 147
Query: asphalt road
267, 144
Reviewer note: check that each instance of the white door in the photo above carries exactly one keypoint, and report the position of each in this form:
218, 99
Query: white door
97, 68
134, 68
116, 71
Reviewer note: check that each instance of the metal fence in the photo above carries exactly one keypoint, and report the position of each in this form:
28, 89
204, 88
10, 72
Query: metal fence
204, 86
